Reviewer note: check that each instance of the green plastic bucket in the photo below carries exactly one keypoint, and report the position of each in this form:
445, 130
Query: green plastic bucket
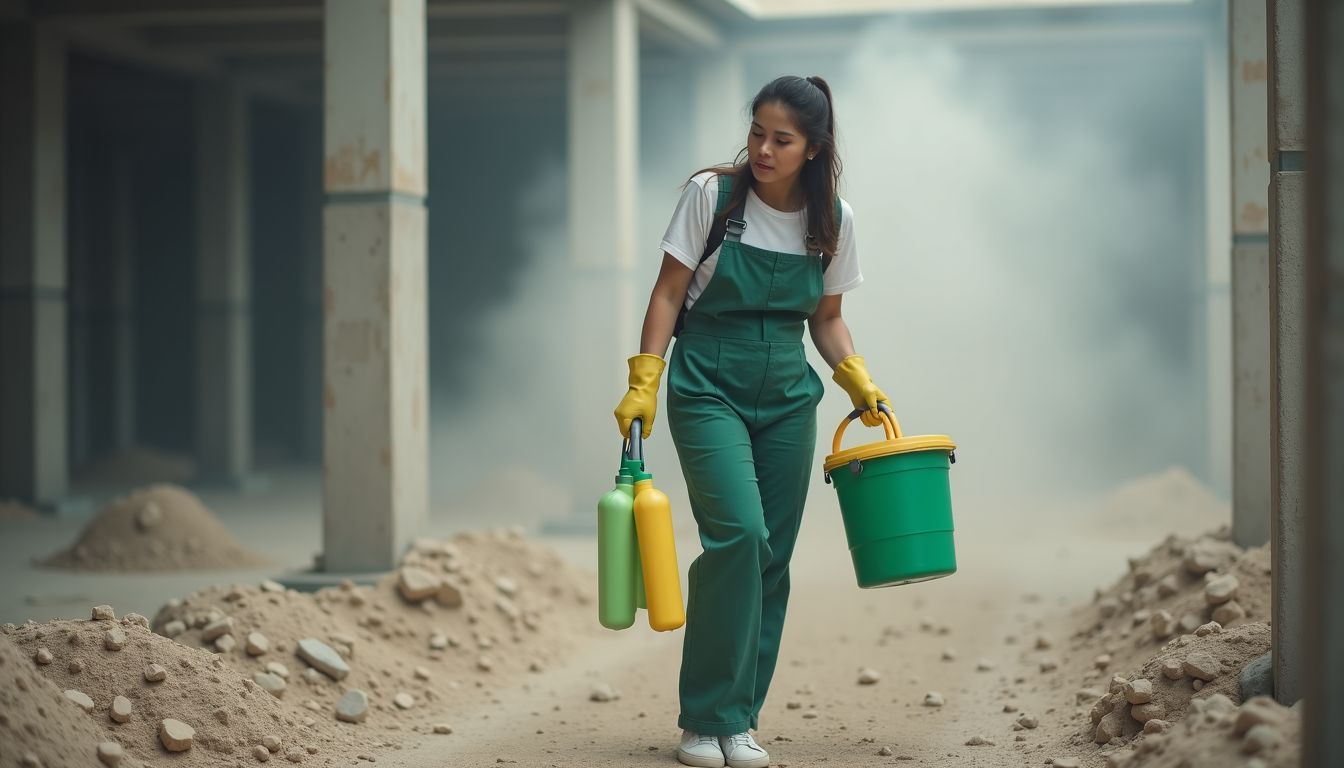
896, 502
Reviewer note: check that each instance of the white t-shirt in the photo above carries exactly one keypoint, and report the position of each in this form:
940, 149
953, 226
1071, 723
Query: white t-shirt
768, 228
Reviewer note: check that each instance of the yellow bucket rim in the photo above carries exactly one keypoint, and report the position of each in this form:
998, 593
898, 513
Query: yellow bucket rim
893, 444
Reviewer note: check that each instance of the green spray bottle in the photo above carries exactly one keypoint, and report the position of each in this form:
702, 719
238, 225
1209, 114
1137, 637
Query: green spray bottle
620, 581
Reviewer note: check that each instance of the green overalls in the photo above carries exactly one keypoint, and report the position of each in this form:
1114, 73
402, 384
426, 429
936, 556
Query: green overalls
741, 409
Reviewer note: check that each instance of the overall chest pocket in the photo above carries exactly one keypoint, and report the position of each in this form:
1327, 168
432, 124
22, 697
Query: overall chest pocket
747, 278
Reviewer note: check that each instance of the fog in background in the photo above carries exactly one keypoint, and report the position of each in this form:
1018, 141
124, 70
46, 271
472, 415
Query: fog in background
1030, 213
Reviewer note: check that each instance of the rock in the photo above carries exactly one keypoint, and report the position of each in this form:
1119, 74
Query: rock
949, 654
43, 657
261, 753
1102, 707
1151, 710
272, 684
277, 669
222, 715
1257, 678
506, 586
294, 755
485, 664
174, 628
135, 619
1260, 738
438, 641
176, 735
1043, 643
1139, 691
353, 706
1201, 666
80, 698
217, 629
1156, 725
1220, 589
1141, 616
933, 699
449, 594
1173, 669
1108, 607
121, 709
1229, 612
1111, 726
417, 584
404, 700
322, 658
274, 587
1211, 628
1117, 684
75, 666
1168, 586
110, 753
148, 516
603, 692
103, 613
885, 752
256, 644
869, 676
313, 677
1010, 707
1162, 624
984, 665
443, 729
421, 673
225, 643
1064, 762
1028, 721
1258, 710
1208, 555
1048, 665
1102, 661
271, 742
979, 741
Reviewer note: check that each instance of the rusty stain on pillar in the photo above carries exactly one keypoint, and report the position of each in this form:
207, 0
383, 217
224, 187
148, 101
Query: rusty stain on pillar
375, 375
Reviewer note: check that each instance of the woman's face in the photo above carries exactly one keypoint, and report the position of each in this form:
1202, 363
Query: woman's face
776, 148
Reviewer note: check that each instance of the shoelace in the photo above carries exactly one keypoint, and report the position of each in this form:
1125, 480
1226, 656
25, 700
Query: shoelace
742, 740
701, 739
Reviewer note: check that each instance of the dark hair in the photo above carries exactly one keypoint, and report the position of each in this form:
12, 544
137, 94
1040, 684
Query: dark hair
809, 99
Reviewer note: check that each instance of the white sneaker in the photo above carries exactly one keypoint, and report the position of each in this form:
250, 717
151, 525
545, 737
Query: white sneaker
742, 751
700, 750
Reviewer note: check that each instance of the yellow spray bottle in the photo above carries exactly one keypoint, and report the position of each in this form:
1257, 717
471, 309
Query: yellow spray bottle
658, 555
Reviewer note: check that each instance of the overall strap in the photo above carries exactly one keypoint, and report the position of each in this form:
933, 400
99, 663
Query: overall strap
730, 226
826, 257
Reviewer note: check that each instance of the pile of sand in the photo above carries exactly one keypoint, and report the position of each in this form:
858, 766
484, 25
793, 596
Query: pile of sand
158, 528
1259, 734
460, 620
37, 722
1171, 501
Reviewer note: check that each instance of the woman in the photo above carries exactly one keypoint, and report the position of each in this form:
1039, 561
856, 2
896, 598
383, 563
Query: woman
741, 396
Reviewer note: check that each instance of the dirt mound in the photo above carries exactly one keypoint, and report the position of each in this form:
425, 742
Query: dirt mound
1259, 734
158, 528
37, 722
334, 674
1171, 501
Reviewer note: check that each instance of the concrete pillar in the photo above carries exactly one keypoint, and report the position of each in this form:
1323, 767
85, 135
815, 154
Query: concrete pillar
606, 311
375, 442
33, 461
1250, 274
1217, 321
720, 106
1324, 710
1288, 415
310, 293
223, 286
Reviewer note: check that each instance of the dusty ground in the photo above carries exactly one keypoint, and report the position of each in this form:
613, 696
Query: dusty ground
975, 638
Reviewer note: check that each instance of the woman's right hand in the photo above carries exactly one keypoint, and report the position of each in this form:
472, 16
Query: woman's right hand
641, 400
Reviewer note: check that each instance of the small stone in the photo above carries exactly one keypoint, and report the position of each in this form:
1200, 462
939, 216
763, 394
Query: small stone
793, 705
148, 516
225, 643
1028, 721
485, 664
353, 706
1211, 628
103, 613
506, 586
174, 628
294, 755
217, 629
1064, 762
323, 658
1220, 589
443, 729
155, 673
449, 594
1257, 710
272, 684
421, 673
949, 654
1151, 710
1048, 665
984, 665
1260, 738
75, 666
176, 735
1202, 666
603, 692
438, 641
313, 677
868, 676
135, 619
222, 715
1108, 607
1162, 624
1110, 727
885, 752
1102, 661
933, 699
121, 709
1043, 643
1139, 691
1228, 612
271, 742
1010, 707
80, 698
110, 753
417, 584
261, 753
1208, 555
1197, 684
979, 741
404, 700
43, 656
269, 585
1173, 669
1168, 585
256, 644
277, 669
1140, 616
1156, 725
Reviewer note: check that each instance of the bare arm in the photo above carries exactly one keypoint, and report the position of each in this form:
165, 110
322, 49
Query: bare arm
829, 332
665, 301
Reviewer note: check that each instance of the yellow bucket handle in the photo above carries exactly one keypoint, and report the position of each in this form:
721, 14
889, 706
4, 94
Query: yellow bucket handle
889, 424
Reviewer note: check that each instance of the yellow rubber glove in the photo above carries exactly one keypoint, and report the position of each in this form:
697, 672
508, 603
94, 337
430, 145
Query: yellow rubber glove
852, 375
641, 402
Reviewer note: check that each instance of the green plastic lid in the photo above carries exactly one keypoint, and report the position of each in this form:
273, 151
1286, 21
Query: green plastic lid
641, 475
625, 478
